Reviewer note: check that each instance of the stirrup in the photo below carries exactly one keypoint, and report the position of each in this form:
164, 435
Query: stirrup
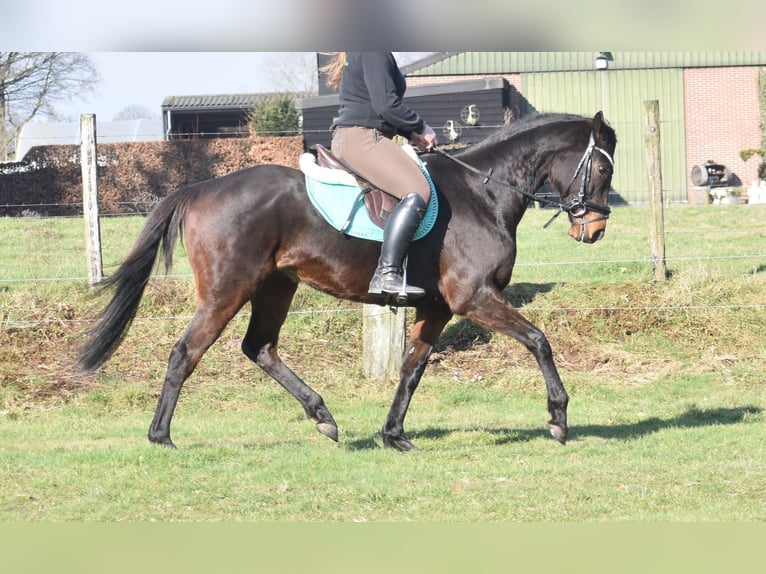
408, 291
394, 283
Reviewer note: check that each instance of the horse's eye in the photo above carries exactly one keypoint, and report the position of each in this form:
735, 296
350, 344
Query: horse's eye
603, 170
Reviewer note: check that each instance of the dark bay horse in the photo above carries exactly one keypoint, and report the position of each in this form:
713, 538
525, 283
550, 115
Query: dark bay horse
253, 236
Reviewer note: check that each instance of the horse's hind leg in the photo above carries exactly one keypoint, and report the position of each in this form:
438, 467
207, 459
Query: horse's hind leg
270, 306
204, 329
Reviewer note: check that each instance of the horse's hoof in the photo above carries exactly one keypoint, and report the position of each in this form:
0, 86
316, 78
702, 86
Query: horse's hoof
558, 432
400, 443
167, 443
161, 439
328, 430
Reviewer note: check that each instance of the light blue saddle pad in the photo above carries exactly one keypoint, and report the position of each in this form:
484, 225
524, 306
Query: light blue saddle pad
338, 201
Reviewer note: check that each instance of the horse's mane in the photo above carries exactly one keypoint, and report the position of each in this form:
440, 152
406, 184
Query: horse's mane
523, 125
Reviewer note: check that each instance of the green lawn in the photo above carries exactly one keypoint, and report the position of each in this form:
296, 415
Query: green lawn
665, 379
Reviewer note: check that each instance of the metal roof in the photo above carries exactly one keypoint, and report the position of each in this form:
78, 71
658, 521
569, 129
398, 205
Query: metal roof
219, 102
471, 63
473, 85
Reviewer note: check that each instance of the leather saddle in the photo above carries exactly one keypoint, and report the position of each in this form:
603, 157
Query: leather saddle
378, 203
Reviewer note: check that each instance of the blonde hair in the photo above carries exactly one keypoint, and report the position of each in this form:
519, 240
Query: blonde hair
334, 69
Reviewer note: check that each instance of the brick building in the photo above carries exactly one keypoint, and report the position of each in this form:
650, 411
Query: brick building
721, 117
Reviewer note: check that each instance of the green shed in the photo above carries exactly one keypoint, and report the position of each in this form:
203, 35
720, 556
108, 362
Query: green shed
619, 83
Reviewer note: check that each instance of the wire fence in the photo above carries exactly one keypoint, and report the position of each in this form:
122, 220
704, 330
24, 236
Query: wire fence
7, 320
642, 261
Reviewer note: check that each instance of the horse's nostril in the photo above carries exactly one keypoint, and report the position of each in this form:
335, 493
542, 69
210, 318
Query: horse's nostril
585, 238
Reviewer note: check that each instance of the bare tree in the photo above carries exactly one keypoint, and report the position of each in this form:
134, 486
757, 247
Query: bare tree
32, 83
293, 72
136, 112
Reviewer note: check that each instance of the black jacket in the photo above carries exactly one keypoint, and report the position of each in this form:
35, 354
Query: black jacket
370, 93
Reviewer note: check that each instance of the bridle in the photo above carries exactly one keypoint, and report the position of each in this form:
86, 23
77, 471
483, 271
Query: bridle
577, 206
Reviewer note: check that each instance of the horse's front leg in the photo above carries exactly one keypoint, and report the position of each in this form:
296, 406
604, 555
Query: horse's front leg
494, 312
423, 337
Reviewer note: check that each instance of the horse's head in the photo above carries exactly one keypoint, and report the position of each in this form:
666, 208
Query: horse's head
585, 184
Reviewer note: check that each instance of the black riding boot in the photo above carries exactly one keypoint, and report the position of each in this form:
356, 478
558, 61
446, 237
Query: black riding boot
401, 226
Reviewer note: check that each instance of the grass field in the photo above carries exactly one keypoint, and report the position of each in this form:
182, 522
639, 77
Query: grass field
665, 378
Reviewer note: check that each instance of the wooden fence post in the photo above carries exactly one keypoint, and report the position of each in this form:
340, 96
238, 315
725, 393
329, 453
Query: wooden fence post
383, 341
90, 197
656, 202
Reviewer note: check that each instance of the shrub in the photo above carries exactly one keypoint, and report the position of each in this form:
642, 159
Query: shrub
275, 116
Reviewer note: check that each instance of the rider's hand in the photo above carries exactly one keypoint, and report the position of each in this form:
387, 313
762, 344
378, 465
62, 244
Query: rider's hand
426, 139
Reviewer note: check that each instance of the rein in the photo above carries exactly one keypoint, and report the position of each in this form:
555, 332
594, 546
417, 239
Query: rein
487, 177
577, 207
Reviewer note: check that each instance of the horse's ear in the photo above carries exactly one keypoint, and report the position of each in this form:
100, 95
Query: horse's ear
598, 121
602, 133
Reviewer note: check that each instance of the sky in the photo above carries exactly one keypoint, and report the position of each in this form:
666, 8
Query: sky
146, 78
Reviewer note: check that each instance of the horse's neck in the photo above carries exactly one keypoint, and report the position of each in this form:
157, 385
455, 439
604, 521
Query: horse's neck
519, 158
499, 197
520, 166
521, 163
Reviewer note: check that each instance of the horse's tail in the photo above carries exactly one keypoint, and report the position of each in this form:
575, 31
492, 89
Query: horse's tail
162, 228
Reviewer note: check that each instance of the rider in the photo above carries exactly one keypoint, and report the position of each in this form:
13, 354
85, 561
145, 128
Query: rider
371, 88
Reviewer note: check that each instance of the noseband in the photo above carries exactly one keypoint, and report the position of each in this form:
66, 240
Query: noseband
578, 206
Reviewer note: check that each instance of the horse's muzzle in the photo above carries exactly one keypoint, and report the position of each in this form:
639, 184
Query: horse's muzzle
588, 230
